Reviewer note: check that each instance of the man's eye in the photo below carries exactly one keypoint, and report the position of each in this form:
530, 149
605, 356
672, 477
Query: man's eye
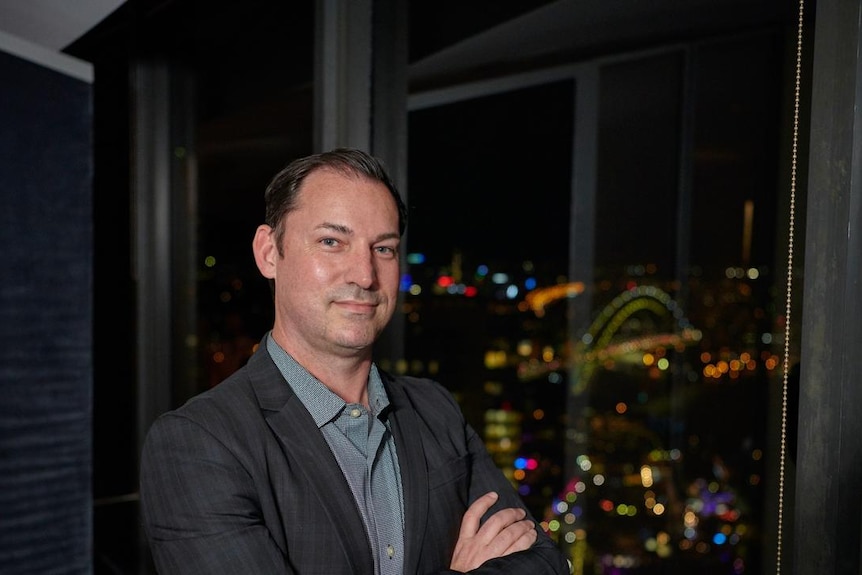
329, 242
386, 250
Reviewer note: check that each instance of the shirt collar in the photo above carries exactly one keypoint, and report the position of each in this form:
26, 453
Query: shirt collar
323, 405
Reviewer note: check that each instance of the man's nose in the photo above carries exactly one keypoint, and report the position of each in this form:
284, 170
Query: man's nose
361, 269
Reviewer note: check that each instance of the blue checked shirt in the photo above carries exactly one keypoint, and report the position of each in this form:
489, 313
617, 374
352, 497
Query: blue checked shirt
362, 442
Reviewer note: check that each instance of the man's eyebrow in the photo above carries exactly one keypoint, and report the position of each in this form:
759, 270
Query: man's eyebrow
340, 228
388, 236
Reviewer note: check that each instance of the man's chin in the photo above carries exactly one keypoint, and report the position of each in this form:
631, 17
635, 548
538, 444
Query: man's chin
358, 343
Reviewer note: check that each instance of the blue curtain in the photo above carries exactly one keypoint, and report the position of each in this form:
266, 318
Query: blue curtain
45, 320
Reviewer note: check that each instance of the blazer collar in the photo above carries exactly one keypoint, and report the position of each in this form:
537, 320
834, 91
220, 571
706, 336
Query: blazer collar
303, 443
414, 471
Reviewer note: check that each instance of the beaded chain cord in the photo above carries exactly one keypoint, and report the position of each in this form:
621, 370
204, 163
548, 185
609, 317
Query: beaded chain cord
787, 309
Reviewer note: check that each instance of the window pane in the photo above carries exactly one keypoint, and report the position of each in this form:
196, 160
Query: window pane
671, 377
639, 438
489, 197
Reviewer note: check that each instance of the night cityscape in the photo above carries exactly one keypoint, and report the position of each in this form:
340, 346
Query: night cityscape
628, 481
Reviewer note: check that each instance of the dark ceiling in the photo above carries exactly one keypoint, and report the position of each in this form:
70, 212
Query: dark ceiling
449, 40
457, 41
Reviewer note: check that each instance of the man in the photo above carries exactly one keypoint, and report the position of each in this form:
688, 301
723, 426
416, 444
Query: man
310, 460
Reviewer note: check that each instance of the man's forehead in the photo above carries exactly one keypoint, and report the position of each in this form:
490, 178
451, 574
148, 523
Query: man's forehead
330, 184
327, 203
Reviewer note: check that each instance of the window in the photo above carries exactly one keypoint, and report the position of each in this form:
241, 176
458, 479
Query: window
633, 425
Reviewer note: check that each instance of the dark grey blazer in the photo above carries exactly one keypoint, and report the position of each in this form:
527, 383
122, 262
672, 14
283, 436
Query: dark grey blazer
240, 480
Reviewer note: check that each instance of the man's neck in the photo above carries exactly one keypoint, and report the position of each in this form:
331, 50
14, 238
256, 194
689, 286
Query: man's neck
345, 375
350, 383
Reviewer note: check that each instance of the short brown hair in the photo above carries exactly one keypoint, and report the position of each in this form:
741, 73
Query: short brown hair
282, 192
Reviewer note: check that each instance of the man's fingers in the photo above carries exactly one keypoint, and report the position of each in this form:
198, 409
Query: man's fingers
525, 540
473, 515
505, 529
499, 521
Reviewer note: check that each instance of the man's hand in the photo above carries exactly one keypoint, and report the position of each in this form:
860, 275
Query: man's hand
505, 532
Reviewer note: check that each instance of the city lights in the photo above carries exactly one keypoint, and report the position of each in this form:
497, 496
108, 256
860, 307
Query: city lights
626, 478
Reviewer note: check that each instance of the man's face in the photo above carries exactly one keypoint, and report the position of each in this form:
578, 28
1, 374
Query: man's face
337, 282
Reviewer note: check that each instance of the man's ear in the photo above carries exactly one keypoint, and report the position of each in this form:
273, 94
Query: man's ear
265, 250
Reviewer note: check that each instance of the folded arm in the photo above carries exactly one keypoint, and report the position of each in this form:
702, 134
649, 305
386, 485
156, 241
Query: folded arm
199, 507
508, 539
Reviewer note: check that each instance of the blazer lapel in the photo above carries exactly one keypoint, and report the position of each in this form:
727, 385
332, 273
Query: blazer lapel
414, 474
302, 441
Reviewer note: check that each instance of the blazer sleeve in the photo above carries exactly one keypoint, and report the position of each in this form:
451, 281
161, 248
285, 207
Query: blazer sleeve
199, 506
544, 557
449, 439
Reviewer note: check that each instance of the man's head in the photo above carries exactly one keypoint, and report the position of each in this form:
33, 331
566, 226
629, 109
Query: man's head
331, 248
281, 193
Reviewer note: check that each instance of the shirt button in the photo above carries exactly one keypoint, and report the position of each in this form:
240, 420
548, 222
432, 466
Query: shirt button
355, 412
390, 550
